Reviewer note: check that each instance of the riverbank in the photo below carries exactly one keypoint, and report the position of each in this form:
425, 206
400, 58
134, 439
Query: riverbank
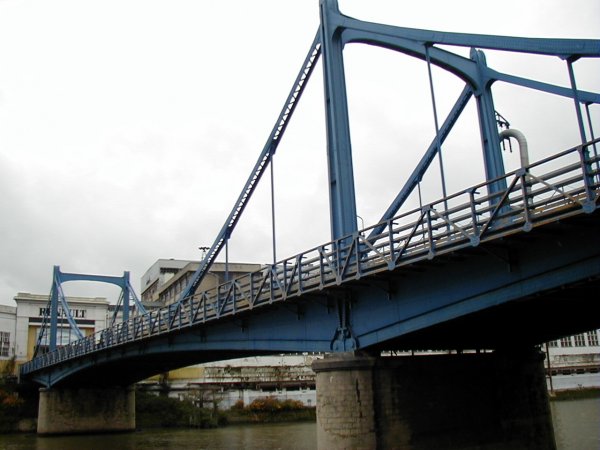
18, 406
576, 428
19, 403
575, 394
18, 410
270, 410
164, 412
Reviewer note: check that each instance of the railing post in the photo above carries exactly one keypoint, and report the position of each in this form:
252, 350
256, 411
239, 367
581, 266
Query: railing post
390, 227
54, 309
299, 273
522, 174
586, 167
427, 210
358, 255
233, 291
474, 219
321, 268
126, 295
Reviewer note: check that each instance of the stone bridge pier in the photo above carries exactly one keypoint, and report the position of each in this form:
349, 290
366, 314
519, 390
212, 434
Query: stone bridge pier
86, 410
451, 401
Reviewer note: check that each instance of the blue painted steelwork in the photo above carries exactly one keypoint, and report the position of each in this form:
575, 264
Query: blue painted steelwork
436, 123
479, 77
342, 201
490, 139
528, 198
535, 196
335, 32
417, 175
57, 296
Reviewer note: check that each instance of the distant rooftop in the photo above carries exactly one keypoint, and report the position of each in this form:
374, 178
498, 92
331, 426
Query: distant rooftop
70, 299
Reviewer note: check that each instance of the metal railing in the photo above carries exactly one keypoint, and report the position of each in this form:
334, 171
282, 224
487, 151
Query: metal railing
555, 188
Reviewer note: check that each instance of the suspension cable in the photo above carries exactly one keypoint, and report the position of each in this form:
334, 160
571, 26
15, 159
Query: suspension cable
259, 168
437, 127
576, 100
274, 236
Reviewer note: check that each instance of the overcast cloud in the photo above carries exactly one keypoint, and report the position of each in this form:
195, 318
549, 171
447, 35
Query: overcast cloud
128, 127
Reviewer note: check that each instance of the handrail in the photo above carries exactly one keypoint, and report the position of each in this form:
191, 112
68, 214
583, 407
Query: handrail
554, 188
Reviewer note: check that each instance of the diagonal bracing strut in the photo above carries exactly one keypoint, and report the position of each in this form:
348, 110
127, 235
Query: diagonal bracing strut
259, 169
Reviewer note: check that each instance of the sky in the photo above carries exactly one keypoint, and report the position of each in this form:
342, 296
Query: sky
129, 127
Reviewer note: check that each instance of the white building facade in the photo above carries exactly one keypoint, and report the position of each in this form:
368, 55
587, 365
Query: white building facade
90, 315
573, 362
577, 353
226, 383
8, 317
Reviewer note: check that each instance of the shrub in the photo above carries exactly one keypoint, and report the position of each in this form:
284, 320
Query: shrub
159, 411
239, 405
265, 404
10, 405
272, 404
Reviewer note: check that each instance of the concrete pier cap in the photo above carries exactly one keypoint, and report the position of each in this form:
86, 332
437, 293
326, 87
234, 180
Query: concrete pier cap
495, 400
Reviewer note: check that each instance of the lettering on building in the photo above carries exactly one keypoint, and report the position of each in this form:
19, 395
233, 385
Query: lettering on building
75, 313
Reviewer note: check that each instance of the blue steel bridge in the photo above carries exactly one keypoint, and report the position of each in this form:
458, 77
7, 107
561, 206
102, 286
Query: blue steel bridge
513, 261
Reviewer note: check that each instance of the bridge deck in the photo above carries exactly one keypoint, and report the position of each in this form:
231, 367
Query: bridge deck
547, 192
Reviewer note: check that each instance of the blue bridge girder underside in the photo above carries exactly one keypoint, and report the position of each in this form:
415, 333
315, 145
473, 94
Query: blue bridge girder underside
526, 289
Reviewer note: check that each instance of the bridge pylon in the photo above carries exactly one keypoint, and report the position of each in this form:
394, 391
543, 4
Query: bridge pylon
58, 309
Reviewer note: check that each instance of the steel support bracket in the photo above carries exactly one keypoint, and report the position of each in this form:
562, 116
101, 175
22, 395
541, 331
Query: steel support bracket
344, 339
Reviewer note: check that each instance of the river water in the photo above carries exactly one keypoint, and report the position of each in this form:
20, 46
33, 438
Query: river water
576, 426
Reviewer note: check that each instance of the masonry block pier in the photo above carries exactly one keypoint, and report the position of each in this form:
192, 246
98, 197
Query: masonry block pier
481, 400
86, 410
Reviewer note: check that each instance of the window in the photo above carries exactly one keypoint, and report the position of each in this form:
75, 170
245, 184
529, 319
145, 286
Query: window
4, 344
553, 344
592, 338
63, 336
566, 342
579, 340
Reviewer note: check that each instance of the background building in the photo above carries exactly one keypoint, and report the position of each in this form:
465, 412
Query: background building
166, 278
578, 353
90, 315
8, 317
162, 284
225, 383
574, 361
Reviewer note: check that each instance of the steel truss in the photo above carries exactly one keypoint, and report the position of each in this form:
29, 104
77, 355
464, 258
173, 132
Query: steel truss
558, 187
554, 189
50, 322
335, 32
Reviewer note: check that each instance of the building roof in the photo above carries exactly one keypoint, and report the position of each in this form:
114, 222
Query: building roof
26, 296
8, 309
154, 270
180, 268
